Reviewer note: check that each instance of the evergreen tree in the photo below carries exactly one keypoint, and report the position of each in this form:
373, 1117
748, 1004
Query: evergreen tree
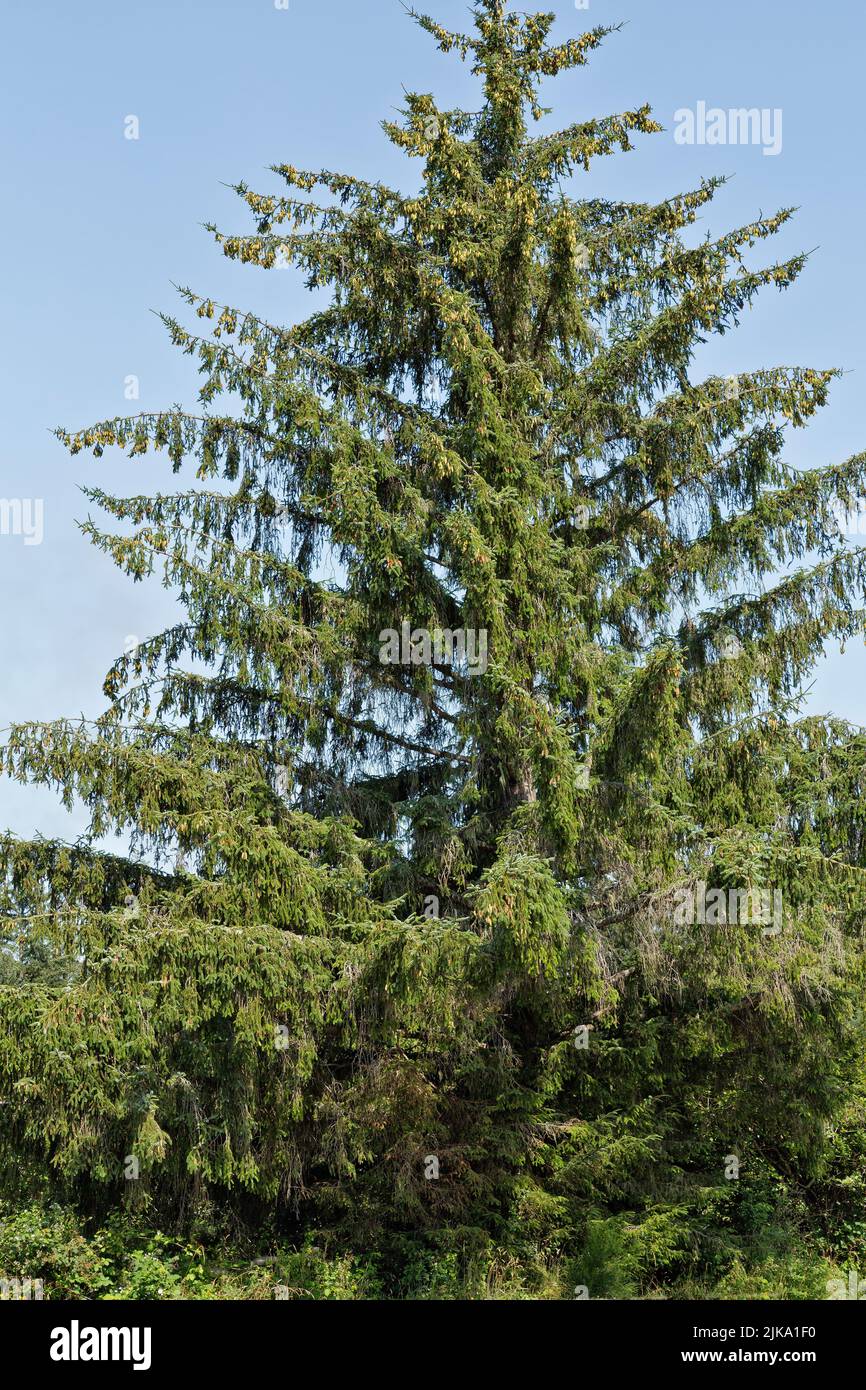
387, 910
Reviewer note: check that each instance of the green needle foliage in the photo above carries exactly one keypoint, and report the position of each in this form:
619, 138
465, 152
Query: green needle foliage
376, 914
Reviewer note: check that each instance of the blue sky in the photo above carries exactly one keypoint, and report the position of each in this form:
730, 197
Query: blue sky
96, 228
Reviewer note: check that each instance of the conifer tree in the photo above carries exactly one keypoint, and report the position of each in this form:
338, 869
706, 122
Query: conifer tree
381, 906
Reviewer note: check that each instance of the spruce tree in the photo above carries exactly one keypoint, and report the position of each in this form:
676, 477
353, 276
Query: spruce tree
403, 945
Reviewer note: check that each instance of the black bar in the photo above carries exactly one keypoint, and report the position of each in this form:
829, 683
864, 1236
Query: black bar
263, 1339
